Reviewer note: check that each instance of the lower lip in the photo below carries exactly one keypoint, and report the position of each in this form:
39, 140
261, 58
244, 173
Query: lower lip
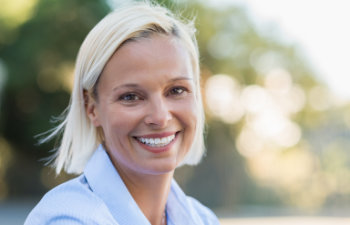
158, 150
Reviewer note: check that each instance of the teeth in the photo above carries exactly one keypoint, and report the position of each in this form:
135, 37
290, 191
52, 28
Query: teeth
157, 142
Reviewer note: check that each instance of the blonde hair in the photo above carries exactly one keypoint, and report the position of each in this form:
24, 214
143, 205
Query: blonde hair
80, 137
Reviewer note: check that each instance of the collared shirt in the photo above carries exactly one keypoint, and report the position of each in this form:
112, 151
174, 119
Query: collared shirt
100, 197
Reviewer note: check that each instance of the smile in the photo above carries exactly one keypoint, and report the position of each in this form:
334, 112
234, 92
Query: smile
156, 142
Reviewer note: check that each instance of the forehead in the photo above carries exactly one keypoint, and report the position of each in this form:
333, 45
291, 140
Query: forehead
155, 44
157, 54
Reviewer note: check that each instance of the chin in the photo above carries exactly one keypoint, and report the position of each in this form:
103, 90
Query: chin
164, 167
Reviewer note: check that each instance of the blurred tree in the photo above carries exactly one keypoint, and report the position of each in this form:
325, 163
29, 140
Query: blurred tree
275, 175
228, 43
39, 59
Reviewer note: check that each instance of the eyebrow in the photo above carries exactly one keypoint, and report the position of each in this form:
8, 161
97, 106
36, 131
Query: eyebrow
132, 85
180, 78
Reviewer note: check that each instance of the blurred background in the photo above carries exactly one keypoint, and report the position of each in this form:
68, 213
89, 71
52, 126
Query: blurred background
275, 79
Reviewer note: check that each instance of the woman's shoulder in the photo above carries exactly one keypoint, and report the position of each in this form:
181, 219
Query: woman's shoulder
72, 192
72, 202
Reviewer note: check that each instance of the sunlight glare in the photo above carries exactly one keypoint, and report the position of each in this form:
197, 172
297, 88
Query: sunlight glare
222, 96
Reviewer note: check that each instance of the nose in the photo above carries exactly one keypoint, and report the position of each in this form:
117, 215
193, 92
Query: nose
158, 113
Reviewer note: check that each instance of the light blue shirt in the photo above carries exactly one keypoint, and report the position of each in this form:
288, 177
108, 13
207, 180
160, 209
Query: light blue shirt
100, 197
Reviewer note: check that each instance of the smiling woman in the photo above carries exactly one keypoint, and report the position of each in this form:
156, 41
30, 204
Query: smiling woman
138, 115
135, 115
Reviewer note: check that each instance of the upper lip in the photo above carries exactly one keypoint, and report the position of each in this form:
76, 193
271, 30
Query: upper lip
157, 135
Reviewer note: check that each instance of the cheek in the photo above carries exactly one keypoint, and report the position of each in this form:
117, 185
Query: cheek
188, 113
119, 121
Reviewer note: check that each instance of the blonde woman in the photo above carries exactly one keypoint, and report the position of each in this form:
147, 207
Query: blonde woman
135, 116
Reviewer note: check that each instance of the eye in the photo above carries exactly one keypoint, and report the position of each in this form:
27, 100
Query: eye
129, 97
177, 91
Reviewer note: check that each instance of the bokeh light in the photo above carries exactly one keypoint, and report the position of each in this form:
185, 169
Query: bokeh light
319, 98
222, 94
59, 78
15, 12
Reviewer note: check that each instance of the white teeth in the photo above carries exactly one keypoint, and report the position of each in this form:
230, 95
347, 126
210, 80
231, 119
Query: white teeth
157, 142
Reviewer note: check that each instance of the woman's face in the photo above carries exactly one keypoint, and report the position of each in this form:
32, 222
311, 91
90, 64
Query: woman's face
146, 105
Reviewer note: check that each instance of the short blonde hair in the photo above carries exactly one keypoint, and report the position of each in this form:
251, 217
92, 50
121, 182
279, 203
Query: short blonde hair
80, 138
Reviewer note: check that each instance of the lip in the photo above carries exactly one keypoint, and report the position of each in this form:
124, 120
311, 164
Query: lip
158, 150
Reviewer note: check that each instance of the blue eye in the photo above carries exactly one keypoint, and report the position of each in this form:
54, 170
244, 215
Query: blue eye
129, 97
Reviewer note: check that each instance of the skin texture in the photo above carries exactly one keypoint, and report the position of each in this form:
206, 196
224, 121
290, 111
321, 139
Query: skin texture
146, 89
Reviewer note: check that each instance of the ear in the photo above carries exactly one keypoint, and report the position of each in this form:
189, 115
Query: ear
91, 108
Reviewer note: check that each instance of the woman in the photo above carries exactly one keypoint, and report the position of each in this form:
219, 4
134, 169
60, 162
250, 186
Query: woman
135, 115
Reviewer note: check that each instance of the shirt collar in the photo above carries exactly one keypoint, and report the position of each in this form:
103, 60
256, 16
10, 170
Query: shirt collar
106, 183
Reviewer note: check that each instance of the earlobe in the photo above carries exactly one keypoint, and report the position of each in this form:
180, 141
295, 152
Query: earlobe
90, 108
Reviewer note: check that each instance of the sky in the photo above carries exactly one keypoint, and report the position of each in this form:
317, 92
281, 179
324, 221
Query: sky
321, 28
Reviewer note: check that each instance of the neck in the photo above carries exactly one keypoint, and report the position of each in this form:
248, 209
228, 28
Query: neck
150, 193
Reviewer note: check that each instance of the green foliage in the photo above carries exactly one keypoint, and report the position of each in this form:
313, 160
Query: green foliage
34, 90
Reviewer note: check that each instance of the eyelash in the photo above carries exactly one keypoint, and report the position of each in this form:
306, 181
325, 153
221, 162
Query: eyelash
132, 97
173, 91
